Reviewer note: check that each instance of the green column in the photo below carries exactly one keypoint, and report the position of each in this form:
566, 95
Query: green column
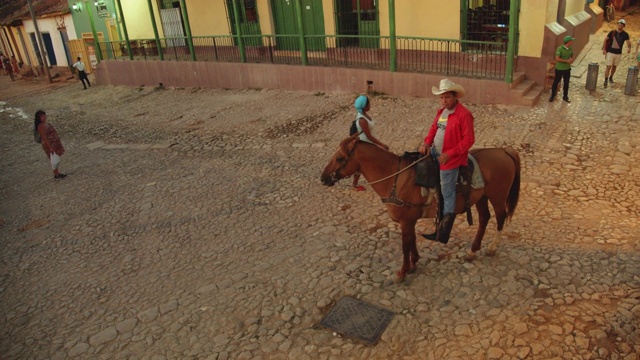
514, 11
236, 16
303, 47
464, 13
187, 26
93, 30
124, 29
393, 60
155, 30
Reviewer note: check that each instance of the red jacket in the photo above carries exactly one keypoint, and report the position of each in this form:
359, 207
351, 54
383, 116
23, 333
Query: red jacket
458, 136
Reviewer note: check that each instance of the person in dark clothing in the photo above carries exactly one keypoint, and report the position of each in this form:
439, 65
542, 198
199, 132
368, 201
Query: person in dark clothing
612, 50
79, 65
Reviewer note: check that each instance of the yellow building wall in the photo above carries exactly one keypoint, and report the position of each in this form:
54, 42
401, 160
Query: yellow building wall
209, 17
138, 19
328, 10
264, 17
552, 9
534, 15
574, 7
424, 18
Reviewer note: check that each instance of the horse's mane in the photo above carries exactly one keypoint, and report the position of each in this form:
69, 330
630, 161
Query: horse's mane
405, 158
344, 145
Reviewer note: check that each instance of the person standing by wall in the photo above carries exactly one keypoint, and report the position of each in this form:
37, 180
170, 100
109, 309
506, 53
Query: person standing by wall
2, 64
564, 58
14, 65
612, 50
79, 65
6, 62
51, 143
638, 52
450, 137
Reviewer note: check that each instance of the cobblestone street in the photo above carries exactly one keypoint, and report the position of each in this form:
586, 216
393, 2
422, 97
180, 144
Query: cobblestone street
193, 225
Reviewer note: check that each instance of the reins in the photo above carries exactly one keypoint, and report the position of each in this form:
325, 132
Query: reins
369, 183
393, 197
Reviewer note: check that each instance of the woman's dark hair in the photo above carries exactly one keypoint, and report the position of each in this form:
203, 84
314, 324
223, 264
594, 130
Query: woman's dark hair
36, 122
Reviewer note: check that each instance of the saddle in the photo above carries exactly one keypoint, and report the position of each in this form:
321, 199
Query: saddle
428, 176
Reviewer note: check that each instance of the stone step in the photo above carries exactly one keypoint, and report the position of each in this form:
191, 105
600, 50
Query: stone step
518, 77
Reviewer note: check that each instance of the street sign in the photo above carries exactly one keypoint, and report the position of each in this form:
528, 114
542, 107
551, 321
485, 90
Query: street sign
101, 8
92, 57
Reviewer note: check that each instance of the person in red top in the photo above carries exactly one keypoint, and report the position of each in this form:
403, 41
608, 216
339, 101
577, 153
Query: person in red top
449, 139
51, 143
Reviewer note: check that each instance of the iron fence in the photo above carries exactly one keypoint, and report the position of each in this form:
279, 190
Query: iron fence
475, 59
463, 58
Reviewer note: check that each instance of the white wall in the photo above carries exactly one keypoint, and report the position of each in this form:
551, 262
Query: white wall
49, 25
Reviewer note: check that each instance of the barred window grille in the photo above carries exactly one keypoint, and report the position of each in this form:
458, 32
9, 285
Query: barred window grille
487, 20
357, 18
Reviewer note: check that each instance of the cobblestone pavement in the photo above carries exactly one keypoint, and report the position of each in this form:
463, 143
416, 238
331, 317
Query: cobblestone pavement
193, 225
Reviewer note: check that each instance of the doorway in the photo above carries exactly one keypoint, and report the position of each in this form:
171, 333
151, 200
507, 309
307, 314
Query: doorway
285, 20
355, 18
249, 24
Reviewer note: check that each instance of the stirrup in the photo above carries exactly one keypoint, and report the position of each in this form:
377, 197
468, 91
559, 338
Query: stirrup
430, 236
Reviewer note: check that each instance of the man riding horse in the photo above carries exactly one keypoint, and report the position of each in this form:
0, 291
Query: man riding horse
449, 139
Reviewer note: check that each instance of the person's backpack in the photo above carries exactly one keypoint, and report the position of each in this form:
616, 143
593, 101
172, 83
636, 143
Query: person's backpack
354, 128
608, 41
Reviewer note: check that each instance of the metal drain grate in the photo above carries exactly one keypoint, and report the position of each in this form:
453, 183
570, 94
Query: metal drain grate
357, 319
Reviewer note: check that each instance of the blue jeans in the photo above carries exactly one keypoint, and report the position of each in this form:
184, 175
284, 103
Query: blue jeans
448, 180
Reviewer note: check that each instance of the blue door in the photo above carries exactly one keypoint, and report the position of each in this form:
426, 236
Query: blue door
48, 44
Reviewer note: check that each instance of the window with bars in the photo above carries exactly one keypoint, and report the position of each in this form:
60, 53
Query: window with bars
486, 20
169, 4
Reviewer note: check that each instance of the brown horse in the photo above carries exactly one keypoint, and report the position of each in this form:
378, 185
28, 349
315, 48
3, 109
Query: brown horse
392, 178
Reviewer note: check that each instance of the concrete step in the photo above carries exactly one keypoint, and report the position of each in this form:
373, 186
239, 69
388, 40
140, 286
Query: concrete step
523, 88
518, 77
531, 97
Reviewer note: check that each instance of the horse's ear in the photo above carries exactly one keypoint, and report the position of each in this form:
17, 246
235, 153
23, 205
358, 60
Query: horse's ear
349, 143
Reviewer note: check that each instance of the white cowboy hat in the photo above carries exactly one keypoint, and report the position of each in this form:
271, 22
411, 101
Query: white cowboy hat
447, 85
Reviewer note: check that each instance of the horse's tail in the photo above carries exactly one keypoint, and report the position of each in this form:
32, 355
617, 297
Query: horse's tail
514, 191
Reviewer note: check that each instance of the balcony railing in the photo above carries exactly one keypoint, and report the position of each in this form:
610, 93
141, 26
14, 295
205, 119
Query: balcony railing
462, 58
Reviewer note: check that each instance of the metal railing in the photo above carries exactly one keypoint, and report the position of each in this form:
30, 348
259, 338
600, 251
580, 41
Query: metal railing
463, 58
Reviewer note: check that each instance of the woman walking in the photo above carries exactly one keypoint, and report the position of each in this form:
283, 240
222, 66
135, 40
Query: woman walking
51, 143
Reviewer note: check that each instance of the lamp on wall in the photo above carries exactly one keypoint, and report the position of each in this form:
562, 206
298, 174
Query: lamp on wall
76, 7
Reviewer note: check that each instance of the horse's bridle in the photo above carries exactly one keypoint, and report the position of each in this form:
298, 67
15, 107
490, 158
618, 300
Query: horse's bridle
335, 176
393, 197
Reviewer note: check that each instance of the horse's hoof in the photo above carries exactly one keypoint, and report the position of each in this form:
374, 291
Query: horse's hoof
397, 279
412, 269
470, 257
491, 252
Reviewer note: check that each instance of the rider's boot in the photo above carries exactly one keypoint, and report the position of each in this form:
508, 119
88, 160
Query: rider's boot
444, 230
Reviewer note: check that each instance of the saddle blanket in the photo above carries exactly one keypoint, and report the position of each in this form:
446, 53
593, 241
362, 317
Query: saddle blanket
476, 177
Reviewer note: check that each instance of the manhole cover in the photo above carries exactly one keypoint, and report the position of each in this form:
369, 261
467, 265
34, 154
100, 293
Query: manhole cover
357, 319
